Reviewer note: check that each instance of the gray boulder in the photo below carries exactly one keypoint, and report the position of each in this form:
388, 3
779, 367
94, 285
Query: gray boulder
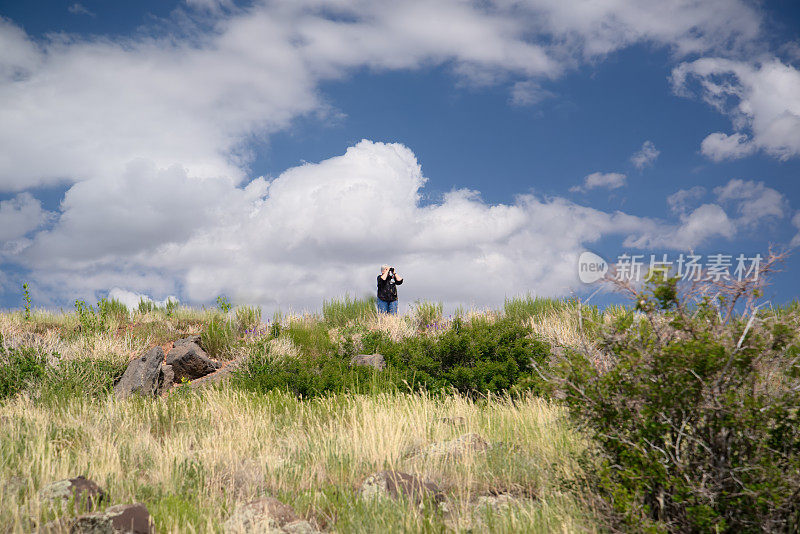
142, 375
395, 483
84, 493
375, 361
187, 341
123, 518
191, 362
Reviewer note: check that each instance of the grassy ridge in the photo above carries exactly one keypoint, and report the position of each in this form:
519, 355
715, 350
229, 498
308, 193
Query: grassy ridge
194, 456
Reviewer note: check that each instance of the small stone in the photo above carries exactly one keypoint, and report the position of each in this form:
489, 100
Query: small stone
120, 519
376, 361
261, 515
85, 493
395, 483
300, 527
455, 421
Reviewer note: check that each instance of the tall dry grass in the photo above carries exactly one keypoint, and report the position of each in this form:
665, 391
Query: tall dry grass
193, 457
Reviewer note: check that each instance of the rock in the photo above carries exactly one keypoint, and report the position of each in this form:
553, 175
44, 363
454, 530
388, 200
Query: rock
187, 341
191, 362
123, 518
394, 484
300, 527
496, 502
376, 361
458, 446
261, 515
165, 379
217, 376
141, 376
85, 493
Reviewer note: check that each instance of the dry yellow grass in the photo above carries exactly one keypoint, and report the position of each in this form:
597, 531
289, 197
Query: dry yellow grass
208, 452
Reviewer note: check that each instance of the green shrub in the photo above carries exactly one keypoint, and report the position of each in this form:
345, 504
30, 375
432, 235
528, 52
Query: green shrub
19, 368
219, 337
248, 318
82, 377
475, 358
223, 304
343, 311
310, 336
692, 435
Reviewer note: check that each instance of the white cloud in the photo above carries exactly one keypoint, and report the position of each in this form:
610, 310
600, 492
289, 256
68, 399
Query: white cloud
19, 216
319, 230
706, 222
528, 93
79, 9
796, 223
606, 180
754, 201
646, 155
74, 108
680, 200
131, 299
762, 100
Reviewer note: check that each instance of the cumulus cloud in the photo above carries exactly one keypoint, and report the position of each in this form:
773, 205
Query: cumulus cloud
680, 200
151, 134
131, 299
696, 228
645, 156
19, 216
762, 100
605, 180
82, 108
322, 229
754, 201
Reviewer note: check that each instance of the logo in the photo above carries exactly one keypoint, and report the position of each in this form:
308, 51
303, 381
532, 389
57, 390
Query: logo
591, 267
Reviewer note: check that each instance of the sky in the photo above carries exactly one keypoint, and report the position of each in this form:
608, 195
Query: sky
278, 152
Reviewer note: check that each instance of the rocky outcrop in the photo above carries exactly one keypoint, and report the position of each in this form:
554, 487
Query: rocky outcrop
267, 514
84, 493
395, 484
376, 361
142, 375
120, 519
191, 362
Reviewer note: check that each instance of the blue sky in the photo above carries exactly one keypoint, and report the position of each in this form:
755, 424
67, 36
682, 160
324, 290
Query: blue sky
279, 152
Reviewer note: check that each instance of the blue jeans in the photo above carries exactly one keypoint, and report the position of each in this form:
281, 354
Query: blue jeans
387, 307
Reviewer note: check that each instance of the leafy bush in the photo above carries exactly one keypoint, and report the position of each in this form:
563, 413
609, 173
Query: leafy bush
219, 337
474, 358
343, 311
19, 368
247, 318
223, 304
693, 433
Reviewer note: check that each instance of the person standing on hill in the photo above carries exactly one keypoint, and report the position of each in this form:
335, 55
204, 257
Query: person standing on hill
388, 281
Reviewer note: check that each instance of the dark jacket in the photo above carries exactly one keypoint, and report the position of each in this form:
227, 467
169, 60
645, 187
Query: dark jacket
387, 289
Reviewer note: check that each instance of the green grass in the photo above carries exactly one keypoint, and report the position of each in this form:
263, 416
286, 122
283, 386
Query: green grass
341, 312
